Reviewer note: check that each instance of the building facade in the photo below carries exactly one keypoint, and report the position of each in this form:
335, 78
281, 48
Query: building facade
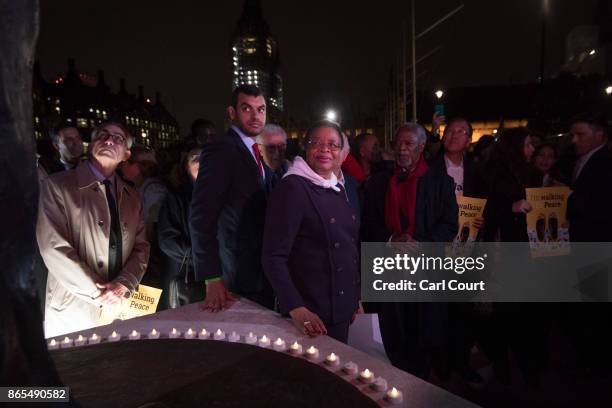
86, 101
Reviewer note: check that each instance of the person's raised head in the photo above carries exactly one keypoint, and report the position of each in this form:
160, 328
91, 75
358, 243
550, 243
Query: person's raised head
274, 141
67, 140
110, 145
457, 136
248, 109
323, 144
409, 143
589, 131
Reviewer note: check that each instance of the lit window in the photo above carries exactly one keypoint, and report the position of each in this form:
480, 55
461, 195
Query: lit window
250, 50
57, 108
82, 123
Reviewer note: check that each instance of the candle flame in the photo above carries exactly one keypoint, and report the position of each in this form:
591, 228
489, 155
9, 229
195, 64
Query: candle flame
234, 334
154, 332
80, 338
394, 392
312, 350
66, 340
114, 334
367, 373
134, 332
94, 336
332, 357
204, 333
278, 341
264, 338
251, 334
190, 332
53, 342
173, 330
219, 332
295, 345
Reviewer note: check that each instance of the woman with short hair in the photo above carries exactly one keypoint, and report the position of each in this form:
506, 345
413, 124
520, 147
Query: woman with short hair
310, 249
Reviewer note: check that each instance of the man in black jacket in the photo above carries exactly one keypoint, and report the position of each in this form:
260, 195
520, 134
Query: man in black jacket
228, 208
590, 220
409, 204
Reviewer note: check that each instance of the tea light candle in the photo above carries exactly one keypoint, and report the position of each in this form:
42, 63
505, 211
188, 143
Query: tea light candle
379, 384
251, 338
66, 343
134, 335
295, 348
312, 352
332, 360
190, 334
394, 396
80, 341
350, 368
53, 344
264, 341
174, 334
94, 339
114, 336
203, 335
219, 335
279, 345
366, 376
234, 337
154, 335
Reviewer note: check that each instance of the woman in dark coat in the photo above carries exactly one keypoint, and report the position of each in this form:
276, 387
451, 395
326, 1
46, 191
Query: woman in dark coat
520, 326
310, 248
178, 283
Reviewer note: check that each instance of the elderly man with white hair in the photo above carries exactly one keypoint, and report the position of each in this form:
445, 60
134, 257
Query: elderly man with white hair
408, 204
273, 138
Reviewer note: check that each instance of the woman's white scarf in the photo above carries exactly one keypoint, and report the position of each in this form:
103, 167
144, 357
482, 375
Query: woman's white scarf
302, 169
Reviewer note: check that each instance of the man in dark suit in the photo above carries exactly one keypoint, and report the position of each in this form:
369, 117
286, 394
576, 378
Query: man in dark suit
590, 220
408, 204
588, 206
228, 208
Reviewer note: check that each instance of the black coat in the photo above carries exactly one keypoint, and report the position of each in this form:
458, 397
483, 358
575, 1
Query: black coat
588, 210
173, 234
227, 216
310, 251
436, 213
508, 186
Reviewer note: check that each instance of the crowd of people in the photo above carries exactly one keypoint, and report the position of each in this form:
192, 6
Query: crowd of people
221, 217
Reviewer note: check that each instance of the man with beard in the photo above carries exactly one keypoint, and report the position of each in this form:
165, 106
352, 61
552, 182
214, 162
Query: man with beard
91, 235
228, 208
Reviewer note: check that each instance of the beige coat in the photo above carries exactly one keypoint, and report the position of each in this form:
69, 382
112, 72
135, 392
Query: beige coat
73, 236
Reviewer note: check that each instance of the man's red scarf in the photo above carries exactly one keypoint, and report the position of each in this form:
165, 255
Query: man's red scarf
400, 201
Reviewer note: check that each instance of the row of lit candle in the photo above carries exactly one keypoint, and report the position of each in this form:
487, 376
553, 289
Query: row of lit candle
394, 396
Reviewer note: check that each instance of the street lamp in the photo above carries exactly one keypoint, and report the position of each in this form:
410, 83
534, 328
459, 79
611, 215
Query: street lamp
439, 93
331, 115
609, 90
592, 52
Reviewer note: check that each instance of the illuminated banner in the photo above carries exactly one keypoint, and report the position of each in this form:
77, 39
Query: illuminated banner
547, 226
144, 301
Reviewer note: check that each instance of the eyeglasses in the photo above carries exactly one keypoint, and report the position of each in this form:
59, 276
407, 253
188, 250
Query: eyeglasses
117, 138
457, 131
315, 144
280, 146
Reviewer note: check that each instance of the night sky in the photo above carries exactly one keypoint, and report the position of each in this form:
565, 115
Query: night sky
333, 53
